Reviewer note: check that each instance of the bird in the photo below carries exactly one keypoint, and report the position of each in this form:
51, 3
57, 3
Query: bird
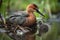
43, 28
24, 18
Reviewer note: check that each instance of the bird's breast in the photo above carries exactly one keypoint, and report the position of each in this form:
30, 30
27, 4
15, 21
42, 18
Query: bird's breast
30, 20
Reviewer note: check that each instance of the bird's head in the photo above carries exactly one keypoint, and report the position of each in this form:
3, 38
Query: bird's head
33, 8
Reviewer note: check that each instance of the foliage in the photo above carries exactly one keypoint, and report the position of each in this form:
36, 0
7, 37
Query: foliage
4, 36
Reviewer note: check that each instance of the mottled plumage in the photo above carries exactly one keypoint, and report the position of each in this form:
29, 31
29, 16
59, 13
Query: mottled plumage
18, 17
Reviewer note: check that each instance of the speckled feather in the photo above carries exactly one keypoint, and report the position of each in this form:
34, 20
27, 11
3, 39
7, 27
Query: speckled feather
17, 17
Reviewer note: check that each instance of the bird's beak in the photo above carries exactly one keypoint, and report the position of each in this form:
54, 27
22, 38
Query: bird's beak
39, 12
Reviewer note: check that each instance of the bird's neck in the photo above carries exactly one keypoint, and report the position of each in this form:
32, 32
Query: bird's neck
31, 18
31, 14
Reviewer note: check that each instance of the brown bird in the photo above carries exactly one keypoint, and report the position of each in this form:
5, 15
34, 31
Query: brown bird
25, 18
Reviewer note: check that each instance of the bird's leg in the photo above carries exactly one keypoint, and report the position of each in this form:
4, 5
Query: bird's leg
23, 29
15, 29
17, 26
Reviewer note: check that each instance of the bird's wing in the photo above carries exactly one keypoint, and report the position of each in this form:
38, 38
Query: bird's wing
22, 13
18, 18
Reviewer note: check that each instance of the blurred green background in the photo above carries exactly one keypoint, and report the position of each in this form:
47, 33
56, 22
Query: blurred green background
47, 7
